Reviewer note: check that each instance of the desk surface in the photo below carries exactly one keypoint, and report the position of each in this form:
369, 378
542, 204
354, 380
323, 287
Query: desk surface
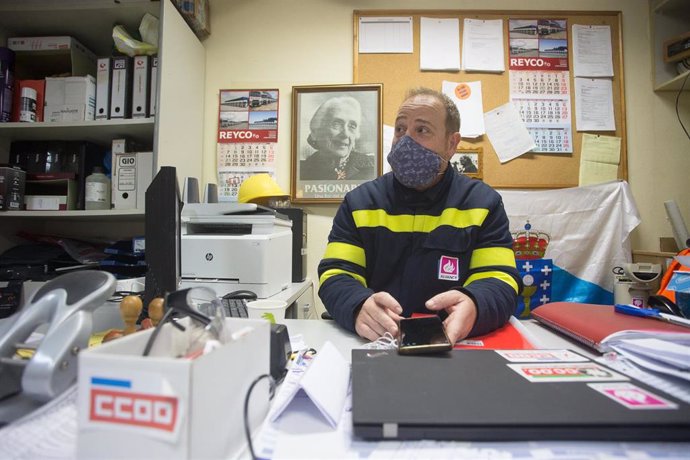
315, 333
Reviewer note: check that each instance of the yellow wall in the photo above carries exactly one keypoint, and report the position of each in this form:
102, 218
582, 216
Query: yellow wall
281, 43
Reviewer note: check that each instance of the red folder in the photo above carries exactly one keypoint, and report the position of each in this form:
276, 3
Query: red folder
507, 337
593, 325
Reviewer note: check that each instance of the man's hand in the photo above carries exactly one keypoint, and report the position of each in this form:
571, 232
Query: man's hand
462, 313
379, 314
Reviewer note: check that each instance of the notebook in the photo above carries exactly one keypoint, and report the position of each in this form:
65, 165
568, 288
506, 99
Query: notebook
597, 325
475, 395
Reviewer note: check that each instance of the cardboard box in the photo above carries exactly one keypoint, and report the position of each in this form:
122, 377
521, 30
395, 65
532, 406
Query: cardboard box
186, 408
51, 195
38, 57
197, 14
70, 98
124, 180
12, 184
677, 48
144, 176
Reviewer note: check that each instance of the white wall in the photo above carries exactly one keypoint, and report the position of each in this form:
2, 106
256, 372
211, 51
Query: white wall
281, 43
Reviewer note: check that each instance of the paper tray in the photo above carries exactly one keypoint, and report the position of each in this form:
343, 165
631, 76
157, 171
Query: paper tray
160, 406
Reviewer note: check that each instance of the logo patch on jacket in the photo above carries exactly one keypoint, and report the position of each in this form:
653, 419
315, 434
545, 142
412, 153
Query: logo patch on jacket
448, 268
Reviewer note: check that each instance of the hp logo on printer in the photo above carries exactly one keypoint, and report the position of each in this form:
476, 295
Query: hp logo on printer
209, 256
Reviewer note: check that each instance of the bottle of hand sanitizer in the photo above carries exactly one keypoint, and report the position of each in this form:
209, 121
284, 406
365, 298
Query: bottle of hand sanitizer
97, 193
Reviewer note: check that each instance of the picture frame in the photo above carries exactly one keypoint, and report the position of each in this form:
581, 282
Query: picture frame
468, 161
336, 140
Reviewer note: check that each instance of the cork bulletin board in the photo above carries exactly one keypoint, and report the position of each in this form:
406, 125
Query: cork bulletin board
399, 72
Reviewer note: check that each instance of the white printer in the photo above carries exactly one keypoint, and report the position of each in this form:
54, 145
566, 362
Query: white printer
235, 246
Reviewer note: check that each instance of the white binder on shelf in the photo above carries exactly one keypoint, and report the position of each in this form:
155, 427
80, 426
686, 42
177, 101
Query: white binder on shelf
153, 90
103, 88
140, 87
120, 96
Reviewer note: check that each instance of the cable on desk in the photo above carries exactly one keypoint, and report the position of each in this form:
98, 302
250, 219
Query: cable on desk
247, 431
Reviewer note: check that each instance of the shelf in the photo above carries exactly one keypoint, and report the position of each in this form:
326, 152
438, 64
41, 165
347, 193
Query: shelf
669, 18
99, 131
77, 216
95, 19
671, 7
675, 83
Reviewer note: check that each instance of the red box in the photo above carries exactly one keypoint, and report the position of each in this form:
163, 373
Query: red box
39, 86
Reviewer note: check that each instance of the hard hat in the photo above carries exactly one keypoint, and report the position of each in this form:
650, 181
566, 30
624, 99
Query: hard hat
259, 186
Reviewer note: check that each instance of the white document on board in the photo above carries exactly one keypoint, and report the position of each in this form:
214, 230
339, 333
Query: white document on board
439, 44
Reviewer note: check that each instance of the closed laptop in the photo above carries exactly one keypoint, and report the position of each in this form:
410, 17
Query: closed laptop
475, 395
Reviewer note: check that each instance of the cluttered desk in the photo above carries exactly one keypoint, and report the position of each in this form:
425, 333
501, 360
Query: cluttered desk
316, 413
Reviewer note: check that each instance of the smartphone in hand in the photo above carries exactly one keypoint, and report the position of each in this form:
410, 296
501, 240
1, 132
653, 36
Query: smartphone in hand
424, 334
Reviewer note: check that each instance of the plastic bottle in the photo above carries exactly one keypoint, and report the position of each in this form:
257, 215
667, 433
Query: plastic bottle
97, 193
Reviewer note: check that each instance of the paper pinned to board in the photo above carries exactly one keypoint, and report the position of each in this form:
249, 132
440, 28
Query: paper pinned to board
507, 132
439, 47
325, 383
467, 97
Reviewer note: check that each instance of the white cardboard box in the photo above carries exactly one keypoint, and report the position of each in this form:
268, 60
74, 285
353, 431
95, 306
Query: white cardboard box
124, 180
162, 406
65, 112
144, 176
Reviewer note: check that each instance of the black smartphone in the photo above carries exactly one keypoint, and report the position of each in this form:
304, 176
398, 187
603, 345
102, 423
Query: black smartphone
425, 334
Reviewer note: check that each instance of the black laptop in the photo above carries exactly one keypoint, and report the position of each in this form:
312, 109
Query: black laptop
473, 395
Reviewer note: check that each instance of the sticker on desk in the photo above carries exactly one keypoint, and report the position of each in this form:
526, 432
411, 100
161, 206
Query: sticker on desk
631, 396
556, 372
541, 356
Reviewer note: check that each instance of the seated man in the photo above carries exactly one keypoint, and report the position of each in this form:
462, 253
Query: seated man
421, 238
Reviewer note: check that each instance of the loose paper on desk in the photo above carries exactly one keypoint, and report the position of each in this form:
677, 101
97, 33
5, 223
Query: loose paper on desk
468, 99
592, 56
507, 132
594, 105
482, 45
439, 44
325, 382
599, 159
381, 34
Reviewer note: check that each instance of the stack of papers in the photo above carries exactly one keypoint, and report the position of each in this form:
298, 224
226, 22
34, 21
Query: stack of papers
670, 356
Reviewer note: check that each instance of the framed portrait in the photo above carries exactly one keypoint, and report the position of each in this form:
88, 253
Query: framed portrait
336, 140
468, 161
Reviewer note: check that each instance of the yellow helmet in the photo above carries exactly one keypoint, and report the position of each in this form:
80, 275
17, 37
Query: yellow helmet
258, 187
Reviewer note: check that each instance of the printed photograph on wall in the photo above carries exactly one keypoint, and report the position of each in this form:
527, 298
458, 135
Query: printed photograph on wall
468, 161
336, 140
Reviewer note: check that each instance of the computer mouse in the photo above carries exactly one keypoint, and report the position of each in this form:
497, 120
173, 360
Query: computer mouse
664, 305
243, 294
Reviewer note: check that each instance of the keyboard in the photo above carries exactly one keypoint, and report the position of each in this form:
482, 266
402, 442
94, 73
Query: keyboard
235, 308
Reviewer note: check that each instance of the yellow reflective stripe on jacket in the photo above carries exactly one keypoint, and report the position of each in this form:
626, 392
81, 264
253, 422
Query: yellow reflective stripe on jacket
335, 271
458, 218
506, 278
486, 257
345, 251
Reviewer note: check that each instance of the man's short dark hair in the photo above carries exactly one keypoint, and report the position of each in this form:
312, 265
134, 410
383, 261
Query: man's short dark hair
452, 114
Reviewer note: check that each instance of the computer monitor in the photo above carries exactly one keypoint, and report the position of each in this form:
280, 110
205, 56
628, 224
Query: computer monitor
680, 230
163, 208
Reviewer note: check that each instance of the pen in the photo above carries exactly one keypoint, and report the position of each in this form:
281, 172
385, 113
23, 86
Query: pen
651, 313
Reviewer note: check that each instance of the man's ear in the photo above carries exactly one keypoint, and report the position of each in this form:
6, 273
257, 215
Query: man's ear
453, 141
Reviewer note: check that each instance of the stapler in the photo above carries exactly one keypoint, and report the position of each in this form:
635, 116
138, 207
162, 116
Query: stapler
65, 305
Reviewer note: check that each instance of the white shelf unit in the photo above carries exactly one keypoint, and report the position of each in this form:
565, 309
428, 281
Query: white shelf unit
176, 132
669, 18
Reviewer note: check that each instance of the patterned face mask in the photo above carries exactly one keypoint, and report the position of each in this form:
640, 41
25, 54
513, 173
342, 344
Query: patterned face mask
414, 165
